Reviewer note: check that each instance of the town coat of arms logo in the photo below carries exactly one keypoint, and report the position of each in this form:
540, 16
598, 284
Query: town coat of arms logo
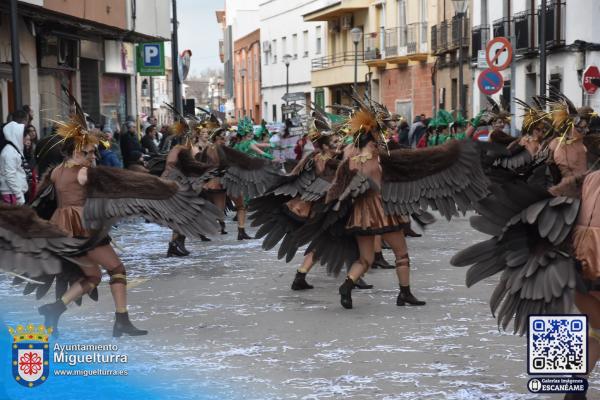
30, 354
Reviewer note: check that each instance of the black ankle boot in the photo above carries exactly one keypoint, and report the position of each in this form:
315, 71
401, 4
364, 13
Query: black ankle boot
405, 296
361, 284
242, 235
223, 231
346, 293
52, 313
380, 262
181, 245
300, 282
124, 325
174, 250
205, 239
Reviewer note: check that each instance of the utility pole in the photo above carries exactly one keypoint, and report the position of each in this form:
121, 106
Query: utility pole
16, 55
177, 101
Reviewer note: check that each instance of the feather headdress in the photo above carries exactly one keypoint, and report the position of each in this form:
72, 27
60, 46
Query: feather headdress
563, 113
534, 116
495, 112
76, 127
181, 127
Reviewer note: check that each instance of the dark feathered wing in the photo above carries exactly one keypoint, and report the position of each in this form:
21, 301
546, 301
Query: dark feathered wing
116, 193
270, 213
247, 176
448, 178
191, 173
529, 229
31, 246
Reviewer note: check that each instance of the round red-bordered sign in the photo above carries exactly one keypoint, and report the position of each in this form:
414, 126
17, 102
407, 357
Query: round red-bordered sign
498, 53
490, 81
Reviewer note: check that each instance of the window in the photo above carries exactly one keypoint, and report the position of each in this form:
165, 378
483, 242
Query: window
283, 46
318, 42
266, 111
274, 51
295, 45
256, 66
453, 94
274, 113
305, 44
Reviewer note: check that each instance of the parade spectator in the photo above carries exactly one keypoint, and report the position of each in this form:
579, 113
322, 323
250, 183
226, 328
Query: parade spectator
28, 167
13, 179
135, 162
130, 143
416, 131
148, 141
402, 135
27, 108
107, 155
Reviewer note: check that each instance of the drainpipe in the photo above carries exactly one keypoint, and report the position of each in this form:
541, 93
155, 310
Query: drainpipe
15, 53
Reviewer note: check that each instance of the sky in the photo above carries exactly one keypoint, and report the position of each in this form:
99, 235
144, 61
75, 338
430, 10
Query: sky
200, 32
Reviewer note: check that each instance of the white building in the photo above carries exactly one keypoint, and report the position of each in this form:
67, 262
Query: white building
284, 32
570, 24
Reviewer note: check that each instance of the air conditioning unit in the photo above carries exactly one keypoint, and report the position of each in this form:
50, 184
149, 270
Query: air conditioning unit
266, 45
346, 22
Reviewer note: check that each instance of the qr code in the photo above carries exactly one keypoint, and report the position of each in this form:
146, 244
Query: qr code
557, 344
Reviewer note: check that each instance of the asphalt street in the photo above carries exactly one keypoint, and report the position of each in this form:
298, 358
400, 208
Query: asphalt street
225, 321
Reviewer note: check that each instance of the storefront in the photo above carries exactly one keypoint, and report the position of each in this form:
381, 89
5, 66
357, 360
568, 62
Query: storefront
116, 82
58, 58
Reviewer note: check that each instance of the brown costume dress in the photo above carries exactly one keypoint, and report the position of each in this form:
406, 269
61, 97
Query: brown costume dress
367, 216
70, 200
570, 156
325, 169
586, 235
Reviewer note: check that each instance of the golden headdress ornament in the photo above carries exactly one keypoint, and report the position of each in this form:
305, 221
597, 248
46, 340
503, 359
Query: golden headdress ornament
76, 128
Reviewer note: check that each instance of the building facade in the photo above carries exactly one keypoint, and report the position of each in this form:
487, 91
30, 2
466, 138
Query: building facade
283, 32
450, 37
87, 46
247, 77
399, 50
571, 42
333, 72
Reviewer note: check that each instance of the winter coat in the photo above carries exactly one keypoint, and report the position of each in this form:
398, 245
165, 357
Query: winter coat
13, 179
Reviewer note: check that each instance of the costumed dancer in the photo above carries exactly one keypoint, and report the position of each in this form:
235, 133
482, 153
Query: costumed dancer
545, 242
247, 145
373, 193
89, 200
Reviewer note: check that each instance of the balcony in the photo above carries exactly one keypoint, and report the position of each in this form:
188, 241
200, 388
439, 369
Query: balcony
479, 38
372, 44
336, 9
443, 33
336, 69
434, 39
501, 27
221, 51
555, 24
334, 60
396, 44
524, 31
417, 48
459, 28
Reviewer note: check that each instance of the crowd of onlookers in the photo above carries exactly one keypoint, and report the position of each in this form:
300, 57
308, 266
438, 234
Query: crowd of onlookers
24, 157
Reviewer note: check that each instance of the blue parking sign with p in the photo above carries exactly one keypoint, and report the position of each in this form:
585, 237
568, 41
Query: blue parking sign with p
150, 59
151, 55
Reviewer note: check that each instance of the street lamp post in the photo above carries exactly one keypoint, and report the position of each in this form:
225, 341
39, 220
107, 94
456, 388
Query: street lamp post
286, 59
356, 34
243, 75
460, 7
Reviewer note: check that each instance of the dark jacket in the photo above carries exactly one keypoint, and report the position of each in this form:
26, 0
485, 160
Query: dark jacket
129, 144
148, 145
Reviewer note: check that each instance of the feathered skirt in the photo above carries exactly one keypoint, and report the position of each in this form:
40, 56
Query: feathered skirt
70, 220
368, 218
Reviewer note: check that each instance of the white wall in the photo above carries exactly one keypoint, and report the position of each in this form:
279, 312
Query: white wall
283, 18
243, 16
153, 17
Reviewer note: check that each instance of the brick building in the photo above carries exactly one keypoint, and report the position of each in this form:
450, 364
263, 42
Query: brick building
247, 76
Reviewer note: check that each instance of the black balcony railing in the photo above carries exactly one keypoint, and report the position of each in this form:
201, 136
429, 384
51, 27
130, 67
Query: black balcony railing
417, 38
434, 39
479, 38
524, 31
334, 60
555, 23
372, 41
460, 27
443, 36
501, 27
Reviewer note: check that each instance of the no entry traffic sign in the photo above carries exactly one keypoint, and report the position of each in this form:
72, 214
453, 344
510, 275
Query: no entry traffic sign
490, 81
498, 53
590, 73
